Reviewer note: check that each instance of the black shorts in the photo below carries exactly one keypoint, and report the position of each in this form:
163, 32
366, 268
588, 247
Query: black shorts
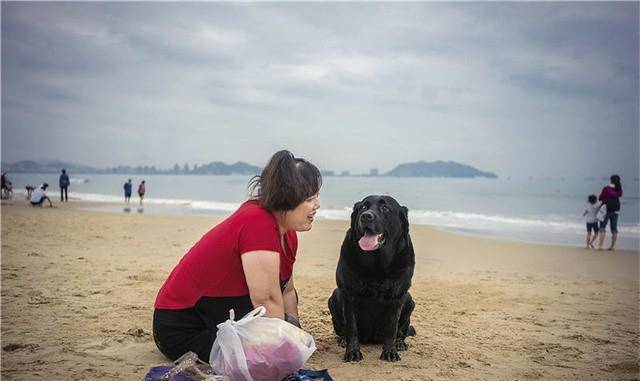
592, 226
177, 332
39, 202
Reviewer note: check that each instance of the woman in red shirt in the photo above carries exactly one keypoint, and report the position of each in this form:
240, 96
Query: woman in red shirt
243, 262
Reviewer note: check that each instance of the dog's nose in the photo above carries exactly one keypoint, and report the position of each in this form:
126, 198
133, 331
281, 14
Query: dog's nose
368, 216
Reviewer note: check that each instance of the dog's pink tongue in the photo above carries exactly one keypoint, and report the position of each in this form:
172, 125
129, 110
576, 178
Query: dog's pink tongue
368, 242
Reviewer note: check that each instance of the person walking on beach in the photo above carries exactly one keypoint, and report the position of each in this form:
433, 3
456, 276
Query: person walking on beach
39, 195
610, 197
591, 217
64, 186
244, 262
142, 189
128, 187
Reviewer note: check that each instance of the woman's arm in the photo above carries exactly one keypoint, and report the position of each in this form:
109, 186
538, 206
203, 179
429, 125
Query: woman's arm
290, 299
603, 195
262, 272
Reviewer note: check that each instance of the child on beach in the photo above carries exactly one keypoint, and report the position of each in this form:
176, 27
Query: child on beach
591, 217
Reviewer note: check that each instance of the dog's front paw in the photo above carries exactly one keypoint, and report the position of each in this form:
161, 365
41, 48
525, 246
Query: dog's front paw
401, 345
389, 355
353, 355
342, 342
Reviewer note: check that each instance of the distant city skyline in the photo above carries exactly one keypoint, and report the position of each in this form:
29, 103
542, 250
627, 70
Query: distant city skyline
540, 89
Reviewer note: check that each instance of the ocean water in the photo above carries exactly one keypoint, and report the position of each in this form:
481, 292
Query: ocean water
534, 210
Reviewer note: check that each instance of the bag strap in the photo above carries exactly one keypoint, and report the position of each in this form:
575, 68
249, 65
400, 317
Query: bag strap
258, 312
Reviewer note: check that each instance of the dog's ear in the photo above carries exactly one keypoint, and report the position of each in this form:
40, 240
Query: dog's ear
354, 213
404, 219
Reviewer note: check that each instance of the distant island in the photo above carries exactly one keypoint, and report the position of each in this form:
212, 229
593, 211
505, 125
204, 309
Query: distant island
417, 169
438, 169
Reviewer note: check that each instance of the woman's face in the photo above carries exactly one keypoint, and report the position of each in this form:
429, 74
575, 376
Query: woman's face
301, 218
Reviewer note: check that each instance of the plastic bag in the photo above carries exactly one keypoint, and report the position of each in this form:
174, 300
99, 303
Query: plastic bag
257, 348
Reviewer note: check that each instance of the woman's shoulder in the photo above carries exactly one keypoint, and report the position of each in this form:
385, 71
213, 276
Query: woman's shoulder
252, 210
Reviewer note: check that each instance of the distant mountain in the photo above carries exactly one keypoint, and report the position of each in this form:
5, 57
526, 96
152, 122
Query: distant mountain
437, 169
419, 169
220, 168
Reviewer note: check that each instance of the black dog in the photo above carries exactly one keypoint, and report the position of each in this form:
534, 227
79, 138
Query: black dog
372, 303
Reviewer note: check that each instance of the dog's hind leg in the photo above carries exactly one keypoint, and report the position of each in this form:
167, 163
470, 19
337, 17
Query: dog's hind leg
337, 315
404, 323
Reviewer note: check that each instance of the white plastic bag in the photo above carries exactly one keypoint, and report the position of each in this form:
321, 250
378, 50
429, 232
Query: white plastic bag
258, 348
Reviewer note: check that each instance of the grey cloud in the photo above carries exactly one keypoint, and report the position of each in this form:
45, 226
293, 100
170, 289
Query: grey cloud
495, 85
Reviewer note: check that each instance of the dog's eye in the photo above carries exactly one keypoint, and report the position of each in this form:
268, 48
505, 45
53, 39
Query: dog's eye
363, 207
384, 208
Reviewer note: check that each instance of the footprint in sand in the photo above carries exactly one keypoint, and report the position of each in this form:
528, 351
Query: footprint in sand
39, 299
628, 367
587, 338
18, 346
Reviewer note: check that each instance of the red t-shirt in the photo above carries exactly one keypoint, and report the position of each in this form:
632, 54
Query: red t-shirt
212, 267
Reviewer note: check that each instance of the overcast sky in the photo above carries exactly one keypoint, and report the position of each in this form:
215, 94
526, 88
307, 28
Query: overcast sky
535, 89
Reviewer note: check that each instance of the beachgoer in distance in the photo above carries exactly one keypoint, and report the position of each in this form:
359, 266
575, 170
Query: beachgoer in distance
244, 262
591, 218
610, 196
128, 187
29, 189
4, 184
8, 190
7, 187
64, 186
39, 195
142, 189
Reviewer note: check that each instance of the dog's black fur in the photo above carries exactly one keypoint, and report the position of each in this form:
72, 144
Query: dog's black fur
372, 303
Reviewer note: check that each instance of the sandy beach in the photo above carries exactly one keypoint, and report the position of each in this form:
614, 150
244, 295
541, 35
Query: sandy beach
78, 289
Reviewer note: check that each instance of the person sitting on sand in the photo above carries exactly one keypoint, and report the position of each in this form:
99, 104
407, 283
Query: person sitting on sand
591, 217
39, 195
244, 262
610, 196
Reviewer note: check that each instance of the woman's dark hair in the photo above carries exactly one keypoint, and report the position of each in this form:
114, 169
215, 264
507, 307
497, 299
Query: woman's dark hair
592, 199
615, 180
285, 182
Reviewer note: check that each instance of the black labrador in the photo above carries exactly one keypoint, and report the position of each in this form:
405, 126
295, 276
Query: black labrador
372, 303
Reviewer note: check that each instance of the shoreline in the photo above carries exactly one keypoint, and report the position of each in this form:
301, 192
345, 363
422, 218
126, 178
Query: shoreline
465, 244
624, 243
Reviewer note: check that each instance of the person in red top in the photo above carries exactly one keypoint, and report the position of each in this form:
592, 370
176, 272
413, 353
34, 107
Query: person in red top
610, 196
243, 262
